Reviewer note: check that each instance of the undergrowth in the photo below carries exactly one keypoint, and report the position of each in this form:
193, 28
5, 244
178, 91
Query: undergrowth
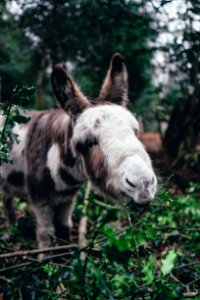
131, 253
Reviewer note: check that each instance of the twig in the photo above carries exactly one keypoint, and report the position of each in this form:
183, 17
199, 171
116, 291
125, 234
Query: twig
54, 256
90, 247
20, 294
100, 203
186, 265
190, 294
60, 288
194, 281
15, 267
6, 121
61, 294
136, 248
5, 279
82, 241
37, 261
87, 258
177, 280
165, 228
37, 251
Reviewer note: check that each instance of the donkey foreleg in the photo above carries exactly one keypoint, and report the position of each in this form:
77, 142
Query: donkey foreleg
8, 208
44, 224
63, 218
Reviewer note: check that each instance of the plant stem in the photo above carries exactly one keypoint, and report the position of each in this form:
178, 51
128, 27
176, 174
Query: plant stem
7, 117
137, 251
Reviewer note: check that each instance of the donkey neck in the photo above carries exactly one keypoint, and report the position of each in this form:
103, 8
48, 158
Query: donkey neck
62, 131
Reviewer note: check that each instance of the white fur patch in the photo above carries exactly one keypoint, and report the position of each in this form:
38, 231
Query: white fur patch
53, 163
114, 127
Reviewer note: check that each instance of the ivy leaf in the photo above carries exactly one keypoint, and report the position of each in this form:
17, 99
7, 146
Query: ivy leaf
4, 153
19, 116
149, 269
24, 94
168, 262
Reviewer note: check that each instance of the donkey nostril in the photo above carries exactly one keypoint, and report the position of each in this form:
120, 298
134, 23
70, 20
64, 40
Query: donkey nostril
130, 183
146, 183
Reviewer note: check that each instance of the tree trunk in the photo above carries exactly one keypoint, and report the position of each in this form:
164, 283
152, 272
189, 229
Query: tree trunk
39, 101
182, 134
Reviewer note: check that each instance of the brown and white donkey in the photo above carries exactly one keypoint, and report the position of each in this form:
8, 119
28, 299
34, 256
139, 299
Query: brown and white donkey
82, 140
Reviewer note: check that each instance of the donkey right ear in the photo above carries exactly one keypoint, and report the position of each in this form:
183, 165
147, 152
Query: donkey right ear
115, 86
67, 92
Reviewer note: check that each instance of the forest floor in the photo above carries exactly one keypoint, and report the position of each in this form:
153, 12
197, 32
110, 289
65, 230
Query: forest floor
132, 253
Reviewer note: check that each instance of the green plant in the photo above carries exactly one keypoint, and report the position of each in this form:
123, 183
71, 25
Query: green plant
13, 113
138, 253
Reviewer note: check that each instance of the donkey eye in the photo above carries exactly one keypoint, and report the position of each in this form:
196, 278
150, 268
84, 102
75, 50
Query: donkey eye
136, 131
91, 142
83, 147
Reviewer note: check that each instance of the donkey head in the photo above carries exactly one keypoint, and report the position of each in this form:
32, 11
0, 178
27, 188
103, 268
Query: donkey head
105, 135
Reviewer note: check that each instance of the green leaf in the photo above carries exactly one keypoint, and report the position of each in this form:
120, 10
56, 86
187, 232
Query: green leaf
19, 116
168, 262
109, 215
149, 270
24, 94
114, 254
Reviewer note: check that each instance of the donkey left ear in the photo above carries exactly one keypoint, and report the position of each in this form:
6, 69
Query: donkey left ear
67, 92
115, 86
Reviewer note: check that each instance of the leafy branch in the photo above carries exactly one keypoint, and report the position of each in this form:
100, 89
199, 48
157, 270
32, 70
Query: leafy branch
13, 113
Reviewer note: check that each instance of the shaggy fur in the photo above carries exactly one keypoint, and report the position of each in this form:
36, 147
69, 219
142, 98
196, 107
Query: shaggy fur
85, 140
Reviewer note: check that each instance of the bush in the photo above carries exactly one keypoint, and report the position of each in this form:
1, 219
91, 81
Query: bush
135, 253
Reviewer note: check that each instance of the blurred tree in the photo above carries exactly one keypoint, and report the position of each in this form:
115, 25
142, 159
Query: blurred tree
15, 54
87, 33
184, 126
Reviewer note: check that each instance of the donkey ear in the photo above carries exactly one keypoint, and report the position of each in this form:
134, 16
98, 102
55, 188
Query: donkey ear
115, 86
68, 94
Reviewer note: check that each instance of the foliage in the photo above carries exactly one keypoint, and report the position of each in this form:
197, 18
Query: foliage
85, 34
16, 63
135, 253
183, 130
13, 114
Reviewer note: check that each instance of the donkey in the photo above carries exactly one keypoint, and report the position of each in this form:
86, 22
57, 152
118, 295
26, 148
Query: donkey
82, 140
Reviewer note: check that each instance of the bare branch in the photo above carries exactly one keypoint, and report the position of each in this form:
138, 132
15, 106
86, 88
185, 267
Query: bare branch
82, 241
37, 251
187, 265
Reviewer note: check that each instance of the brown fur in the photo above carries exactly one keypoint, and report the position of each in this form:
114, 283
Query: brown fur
67, 92
115, 86
55, 127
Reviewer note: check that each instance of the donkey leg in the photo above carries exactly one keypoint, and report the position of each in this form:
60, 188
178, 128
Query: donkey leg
63, 218
8, 208
44, 224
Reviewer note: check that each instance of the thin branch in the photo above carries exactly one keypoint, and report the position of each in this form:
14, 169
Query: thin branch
100, 203
5, 279
177, 280
47, 258
37, 261
20, 294
190, 294
37, 251
194, 281
7, 117
136, 248
82, 241
15, 267
187, 265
